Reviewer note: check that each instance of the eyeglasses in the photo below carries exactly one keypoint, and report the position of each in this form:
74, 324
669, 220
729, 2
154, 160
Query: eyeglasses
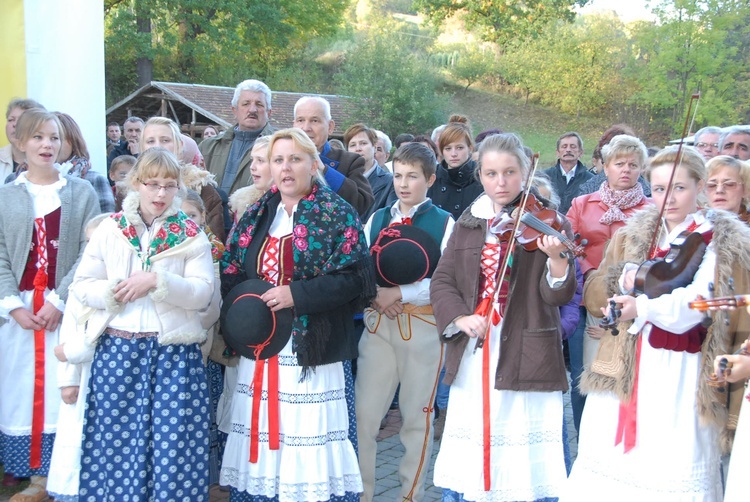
711, 186
706, 145
156, 188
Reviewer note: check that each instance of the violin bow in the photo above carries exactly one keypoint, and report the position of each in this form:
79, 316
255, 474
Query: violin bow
509, 250
677, 161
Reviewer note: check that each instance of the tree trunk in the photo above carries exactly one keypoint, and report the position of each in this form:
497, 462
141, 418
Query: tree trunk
144, 64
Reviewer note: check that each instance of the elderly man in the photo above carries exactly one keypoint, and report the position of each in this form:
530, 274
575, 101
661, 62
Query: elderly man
228, 156
343, 171
10, 156
706, 141
131, 145
382, 148
735, 142
569, 173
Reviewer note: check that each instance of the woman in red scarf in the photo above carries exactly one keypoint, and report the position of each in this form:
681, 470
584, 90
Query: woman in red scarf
596, 217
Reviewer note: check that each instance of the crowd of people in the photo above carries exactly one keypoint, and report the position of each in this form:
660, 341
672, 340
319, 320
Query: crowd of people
244, 311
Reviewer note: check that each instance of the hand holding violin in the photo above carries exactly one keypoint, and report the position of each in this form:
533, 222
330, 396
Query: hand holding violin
627, 310
554, 248
733, 367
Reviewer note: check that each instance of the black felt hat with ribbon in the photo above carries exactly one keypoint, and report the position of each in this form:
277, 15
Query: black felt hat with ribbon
249, 326
403, 254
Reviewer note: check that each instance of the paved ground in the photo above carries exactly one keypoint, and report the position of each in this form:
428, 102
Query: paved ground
389, 454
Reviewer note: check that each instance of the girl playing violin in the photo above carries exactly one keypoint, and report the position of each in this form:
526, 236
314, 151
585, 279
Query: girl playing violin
502, 439
652, 423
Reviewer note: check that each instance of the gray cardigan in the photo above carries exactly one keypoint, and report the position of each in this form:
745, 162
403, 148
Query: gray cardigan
79, 203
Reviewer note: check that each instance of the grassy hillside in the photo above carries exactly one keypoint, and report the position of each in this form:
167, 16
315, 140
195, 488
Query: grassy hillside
538, 126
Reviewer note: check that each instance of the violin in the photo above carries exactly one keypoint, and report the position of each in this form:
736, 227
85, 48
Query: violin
537, 220
677, 269
723, 303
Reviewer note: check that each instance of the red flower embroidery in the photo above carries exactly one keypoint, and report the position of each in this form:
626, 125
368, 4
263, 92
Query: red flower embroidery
346, 248
301, 244
161, 234
231, 269
300, 231
244, 240
174, 228
191, 229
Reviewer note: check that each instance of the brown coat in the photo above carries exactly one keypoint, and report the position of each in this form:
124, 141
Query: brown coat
531, 357
613, 369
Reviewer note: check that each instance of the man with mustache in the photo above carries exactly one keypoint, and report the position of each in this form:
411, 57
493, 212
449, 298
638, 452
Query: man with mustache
735, 142
227, 156
569, 173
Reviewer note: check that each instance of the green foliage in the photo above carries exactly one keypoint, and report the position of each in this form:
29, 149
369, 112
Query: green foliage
501, 21
693, 47
398, 89
219, 42
468, 63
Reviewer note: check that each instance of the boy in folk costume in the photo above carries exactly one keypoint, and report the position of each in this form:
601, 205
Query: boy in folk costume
400, 343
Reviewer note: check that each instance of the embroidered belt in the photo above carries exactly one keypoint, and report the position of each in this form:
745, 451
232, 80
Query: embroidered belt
129, 335
413, 309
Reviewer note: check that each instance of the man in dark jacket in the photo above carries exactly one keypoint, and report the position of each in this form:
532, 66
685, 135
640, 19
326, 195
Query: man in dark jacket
343, 171
227, 156
131, 145
569, 173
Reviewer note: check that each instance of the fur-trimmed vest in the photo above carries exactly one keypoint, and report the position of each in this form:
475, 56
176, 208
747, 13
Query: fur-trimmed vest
731, 242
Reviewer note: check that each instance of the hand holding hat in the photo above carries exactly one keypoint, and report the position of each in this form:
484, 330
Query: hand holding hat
278, 298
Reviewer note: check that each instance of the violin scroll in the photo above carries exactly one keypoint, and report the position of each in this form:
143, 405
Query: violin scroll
609, 322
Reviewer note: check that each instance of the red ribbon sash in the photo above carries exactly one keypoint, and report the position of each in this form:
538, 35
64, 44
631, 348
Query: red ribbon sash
627, 426
37, 416
273, 406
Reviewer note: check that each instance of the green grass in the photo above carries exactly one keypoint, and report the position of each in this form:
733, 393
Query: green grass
538, 126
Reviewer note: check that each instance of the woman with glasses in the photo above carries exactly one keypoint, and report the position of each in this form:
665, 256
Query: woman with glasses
728, 185
145, 275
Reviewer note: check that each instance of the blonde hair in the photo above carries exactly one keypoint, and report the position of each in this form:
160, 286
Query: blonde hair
175, 129
155, 162
31, 120
261, 141
303, 142
740, 166
691, 160
624, 144
506, 143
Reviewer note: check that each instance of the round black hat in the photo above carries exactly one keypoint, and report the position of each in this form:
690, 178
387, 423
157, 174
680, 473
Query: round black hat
248, 325
404, 254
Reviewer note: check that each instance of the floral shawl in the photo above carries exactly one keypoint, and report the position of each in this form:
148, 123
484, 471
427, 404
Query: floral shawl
175, 230
328, 238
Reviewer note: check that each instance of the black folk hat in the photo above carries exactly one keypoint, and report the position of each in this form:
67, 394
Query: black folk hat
248, 325
404, 254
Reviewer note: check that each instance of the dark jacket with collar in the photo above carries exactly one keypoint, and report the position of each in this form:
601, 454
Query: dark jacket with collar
216, 153
355, 188
381, 183
455, 189
531, 358
567, 191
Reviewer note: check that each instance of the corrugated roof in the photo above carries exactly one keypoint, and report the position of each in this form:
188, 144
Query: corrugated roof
211, 104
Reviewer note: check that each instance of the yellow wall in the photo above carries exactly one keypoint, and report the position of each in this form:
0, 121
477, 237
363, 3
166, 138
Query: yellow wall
13, 62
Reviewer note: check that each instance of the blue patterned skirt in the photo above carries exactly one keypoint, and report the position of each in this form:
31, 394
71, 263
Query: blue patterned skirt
146, 435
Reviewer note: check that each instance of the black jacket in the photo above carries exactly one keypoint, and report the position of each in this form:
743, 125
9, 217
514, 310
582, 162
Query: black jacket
567, 191
455, 189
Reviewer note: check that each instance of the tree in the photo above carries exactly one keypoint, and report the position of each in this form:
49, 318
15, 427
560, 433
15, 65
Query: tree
218, 42
397, 89
502, 21
472, 64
